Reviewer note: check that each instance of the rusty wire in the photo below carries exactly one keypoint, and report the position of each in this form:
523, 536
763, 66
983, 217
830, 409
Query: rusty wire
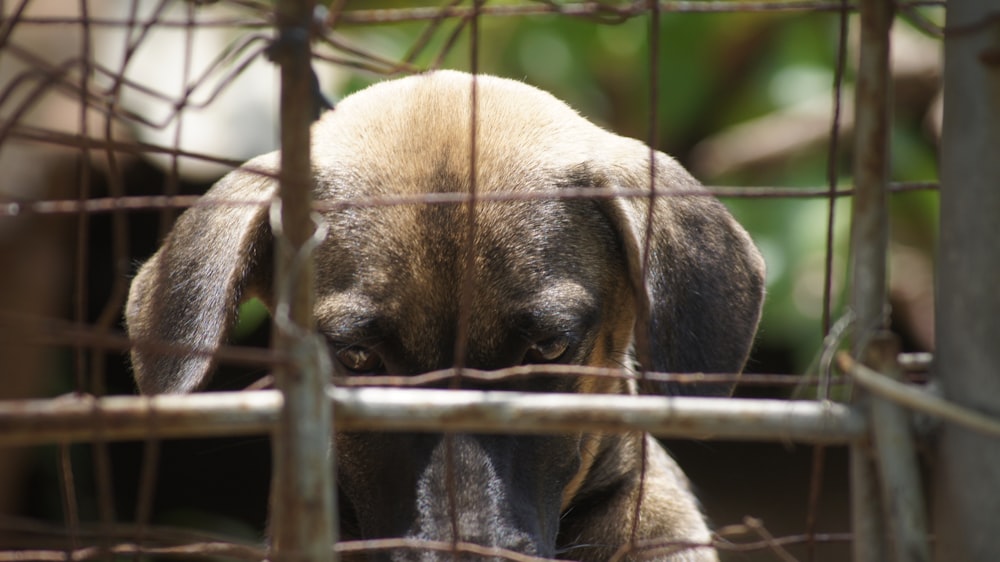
170, 542
94, 205
607, 13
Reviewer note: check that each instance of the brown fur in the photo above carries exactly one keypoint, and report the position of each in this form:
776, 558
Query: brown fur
389, 279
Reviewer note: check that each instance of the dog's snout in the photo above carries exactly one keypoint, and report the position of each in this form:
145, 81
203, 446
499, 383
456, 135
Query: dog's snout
472, 487
481, 491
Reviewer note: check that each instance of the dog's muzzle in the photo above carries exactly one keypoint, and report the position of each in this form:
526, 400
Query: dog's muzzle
494, 491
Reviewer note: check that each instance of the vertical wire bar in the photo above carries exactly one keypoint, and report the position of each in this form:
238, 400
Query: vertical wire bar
966, 479
897, 460
832, 167
833, 163
302, 517
468, 268
108, 317
645, 360
902, 507
83, 218
870, 213
67, 481
869, 249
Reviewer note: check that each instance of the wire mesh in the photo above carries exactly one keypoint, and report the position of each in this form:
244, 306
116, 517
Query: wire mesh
117, 116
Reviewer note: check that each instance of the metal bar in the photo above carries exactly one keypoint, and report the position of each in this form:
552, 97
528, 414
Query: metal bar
599, 9
70, 419
896, 457
869, 248
870, 210
866, 523
920, 401
966, 482
302, 519
143, 202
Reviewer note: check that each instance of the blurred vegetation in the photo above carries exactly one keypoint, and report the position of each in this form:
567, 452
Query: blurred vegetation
715, 72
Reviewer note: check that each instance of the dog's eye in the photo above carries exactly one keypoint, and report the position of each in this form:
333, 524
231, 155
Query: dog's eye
547, 351
359, 359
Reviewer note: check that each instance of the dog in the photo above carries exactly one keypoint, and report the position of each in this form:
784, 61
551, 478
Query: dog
554, 280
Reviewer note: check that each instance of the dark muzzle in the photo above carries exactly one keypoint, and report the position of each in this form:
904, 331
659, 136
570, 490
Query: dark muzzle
492, 491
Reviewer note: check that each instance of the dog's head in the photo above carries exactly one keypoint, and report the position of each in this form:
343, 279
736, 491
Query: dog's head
552, 280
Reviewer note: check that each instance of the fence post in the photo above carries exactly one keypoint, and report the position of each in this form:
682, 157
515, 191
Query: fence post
901, 512
302, 517
966, 479
869, 249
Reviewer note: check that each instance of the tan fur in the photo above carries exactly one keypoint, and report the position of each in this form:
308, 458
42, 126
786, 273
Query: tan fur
395, 269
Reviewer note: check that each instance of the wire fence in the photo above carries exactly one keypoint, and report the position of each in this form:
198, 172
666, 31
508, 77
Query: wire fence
99, 157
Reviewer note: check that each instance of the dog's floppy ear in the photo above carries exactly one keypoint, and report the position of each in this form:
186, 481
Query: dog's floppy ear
184, 300
705, 277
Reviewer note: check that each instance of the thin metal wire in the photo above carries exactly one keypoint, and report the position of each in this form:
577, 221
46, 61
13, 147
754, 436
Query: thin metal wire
603, 10
833, 166
644, 312
153, 202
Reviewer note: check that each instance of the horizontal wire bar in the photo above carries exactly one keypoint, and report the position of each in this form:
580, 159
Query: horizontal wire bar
598, 9
113, 418
398, 15
149, 202
918, 400
218, 550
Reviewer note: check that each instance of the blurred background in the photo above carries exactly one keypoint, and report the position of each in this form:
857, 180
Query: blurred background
745, 99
